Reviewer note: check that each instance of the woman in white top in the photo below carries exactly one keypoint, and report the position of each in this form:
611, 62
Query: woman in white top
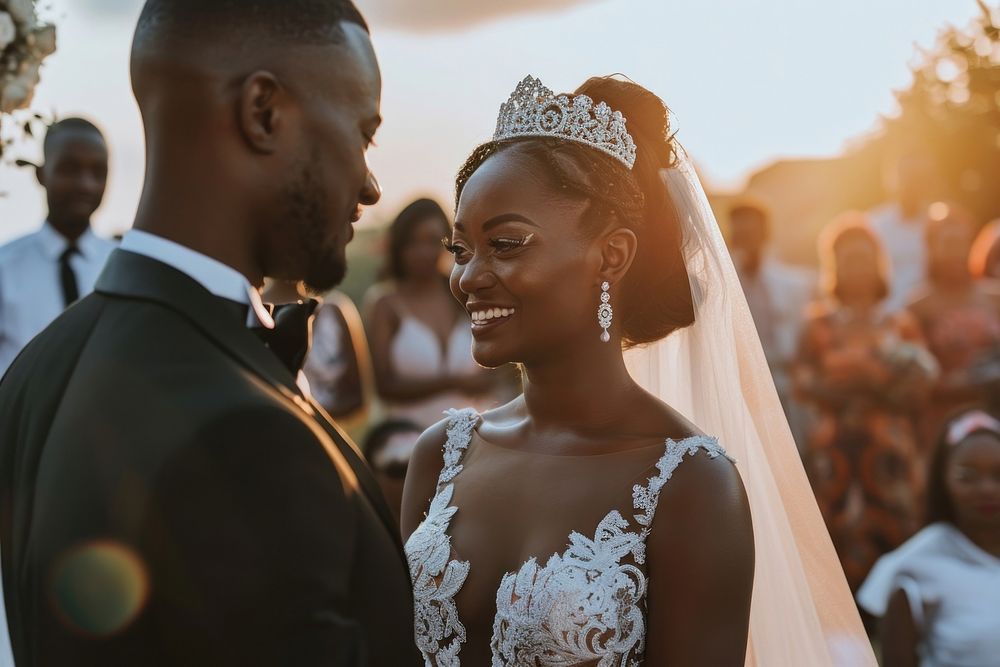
938, 595
421, 340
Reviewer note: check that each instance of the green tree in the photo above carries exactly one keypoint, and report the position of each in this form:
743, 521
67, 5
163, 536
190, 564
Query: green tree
952, 108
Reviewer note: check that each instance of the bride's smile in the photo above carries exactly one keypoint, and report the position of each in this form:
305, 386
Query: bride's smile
486, 317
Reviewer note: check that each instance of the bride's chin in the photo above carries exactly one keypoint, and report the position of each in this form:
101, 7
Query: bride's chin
488, 356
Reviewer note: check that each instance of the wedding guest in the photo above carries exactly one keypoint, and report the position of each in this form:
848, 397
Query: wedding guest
388, 448
49, 269
899, 224
984, 258
777, 294
866, 371
338, 366
984, 263
937, 595
421, 339
958, 314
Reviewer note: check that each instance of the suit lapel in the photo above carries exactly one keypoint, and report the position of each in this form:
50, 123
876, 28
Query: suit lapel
363, 472
138, 277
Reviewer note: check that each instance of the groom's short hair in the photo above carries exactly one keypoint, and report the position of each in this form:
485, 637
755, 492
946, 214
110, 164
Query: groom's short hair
301, 21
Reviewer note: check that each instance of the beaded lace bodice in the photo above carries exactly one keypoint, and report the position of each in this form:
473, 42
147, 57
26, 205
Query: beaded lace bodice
584, 605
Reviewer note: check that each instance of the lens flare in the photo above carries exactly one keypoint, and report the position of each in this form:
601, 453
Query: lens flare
99, 588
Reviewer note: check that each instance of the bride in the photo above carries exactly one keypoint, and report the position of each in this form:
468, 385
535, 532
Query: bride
592, 521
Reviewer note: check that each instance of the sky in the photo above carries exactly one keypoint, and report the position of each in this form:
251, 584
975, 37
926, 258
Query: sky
748, 81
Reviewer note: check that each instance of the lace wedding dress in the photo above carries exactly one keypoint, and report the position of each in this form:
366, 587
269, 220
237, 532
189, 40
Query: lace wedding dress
584, 605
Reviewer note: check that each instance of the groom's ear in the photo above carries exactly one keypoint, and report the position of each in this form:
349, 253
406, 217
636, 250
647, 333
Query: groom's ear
262, 112
617, 254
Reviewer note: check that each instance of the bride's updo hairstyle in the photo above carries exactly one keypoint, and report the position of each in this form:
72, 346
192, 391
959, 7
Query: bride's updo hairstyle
655, 296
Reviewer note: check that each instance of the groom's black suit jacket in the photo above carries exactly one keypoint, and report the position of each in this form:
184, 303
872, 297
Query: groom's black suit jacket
168, 497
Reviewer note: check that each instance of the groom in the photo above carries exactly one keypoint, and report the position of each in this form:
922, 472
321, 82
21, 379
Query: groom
168, 496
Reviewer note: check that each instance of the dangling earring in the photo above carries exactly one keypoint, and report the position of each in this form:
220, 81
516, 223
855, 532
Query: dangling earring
604, 312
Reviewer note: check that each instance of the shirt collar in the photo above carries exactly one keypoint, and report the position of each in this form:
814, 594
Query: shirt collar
218, 278
763, 267
89, 244
54, 244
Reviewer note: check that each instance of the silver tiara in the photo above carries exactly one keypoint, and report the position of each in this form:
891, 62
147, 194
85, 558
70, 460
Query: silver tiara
534, 111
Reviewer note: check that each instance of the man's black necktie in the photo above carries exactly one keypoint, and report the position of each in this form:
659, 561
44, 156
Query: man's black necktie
290, 338
70, 290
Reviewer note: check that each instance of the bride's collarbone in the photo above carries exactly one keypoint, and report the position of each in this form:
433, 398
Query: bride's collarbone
521, 433
569, 442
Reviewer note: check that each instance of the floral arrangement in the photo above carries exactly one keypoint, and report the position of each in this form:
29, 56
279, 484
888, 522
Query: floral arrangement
24, 43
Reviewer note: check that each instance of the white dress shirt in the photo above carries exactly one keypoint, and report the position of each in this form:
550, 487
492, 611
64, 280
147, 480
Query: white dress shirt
778, 295
218, 278
31, 293
903, 241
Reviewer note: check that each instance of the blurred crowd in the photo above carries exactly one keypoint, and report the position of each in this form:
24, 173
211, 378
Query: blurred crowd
887, 361
888, 366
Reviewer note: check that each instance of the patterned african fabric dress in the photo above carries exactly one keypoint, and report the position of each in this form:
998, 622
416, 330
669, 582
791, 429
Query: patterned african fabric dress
864, 375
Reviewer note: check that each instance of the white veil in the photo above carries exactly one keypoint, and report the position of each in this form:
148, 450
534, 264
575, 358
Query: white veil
714, 372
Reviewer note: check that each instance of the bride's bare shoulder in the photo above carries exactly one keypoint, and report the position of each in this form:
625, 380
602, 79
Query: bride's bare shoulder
512, 411
706, 488
700, 556
428, 452
703, 507
648, 414
427, 458
422, 473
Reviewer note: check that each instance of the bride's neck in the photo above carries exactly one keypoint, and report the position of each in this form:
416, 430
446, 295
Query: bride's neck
587, 391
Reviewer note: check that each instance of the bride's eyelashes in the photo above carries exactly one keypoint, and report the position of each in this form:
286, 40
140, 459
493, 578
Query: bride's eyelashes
507, 244
456, 249
501, 245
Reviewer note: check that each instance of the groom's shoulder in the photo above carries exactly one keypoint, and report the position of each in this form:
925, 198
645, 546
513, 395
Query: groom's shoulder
134, 335
109, 322
106, 352
247, 426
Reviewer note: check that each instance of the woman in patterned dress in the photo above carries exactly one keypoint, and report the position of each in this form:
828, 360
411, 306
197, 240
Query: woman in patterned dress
865, 371
960, 318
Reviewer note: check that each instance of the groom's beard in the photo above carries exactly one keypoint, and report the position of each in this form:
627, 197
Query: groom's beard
312, 245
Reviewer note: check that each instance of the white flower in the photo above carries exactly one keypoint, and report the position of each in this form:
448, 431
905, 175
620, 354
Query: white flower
44, 40
14, 94
8, 31
19, 66
22, 11
28, 71
18, 90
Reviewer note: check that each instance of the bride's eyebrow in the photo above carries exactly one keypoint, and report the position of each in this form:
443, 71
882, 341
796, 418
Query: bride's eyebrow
498, 220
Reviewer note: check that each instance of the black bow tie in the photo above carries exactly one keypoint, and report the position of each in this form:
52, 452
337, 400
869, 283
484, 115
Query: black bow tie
292, 333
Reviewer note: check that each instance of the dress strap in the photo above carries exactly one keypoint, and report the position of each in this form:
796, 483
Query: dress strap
461, 424
646, 496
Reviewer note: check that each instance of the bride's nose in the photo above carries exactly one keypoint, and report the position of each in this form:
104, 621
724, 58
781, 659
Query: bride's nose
475, 276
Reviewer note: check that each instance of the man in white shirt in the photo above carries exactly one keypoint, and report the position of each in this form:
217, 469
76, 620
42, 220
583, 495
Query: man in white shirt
777, 295
900, 224
43, 272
